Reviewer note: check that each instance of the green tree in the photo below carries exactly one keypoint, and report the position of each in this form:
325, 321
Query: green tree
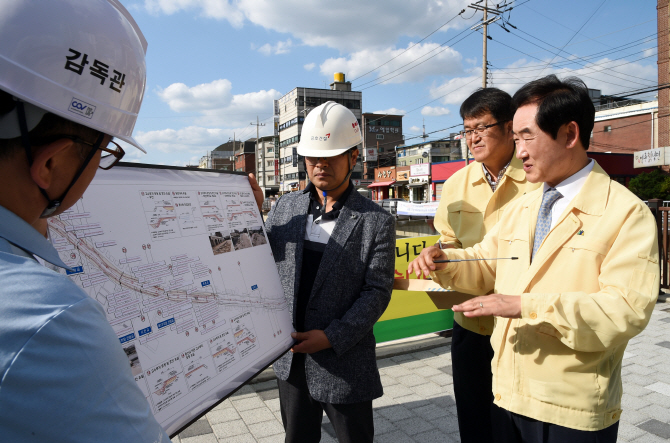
652, 184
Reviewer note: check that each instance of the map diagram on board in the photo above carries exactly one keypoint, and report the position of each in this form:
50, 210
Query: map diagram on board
181, 264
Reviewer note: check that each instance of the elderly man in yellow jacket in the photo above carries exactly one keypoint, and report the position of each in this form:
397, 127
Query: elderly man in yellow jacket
584, 281
472, 203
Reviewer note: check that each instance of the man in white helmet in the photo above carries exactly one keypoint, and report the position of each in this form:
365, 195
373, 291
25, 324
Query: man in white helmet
72, 77
335, 255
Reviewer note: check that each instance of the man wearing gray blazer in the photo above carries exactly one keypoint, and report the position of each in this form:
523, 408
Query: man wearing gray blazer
334, 250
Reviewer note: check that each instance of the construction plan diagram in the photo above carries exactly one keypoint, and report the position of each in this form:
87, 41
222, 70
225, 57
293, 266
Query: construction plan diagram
180, 262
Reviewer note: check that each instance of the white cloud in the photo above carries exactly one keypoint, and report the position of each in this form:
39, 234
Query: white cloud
434, 111
309, 66
216, 104
212, 95
649, 52
444, 61
345, 25
217, 9
415, 129
219, 114
455, 90
279, 48
391, 111
192, 139
610, 76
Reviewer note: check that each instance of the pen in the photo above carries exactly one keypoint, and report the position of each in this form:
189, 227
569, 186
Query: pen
474, 259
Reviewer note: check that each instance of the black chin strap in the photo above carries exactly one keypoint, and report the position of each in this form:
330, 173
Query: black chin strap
52, 205
325, 191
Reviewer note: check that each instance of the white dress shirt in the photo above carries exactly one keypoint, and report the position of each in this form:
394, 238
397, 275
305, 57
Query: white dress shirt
569, 188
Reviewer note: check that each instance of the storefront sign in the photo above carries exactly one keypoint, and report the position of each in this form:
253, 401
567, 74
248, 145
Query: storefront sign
385, 174
402, 175
370, 154
420, 169
650, 157
418, 180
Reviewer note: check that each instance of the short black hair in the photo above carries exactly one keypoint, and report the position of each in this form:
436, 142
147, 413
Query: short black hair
488, 100
559, 102
50, 125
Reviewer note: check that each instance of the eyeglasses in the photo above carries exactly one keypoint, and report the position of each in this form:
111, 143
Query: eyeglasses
481, 130
109, 158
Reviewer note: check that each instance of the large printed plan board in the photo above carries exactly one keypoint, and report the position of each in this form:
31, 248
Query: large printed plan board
181, 264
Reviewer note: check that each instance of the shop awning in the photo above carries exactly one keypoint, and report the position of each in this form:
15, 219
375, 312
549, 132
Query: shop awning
414, 185
400, 183
378, 184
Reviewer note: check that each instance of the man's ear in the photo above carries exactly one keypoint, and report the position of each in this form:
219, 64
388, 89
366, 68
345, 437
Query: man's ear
47, 159
572, 135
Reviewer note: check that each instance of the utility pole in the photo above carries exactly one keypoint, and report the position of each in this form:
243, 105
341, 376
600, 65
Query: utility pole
258, 125
496, 12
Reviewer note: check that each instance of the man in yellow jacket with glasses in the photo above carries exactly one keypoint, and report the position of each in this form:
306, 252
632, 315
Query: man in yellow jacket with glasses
584, 281
472, 202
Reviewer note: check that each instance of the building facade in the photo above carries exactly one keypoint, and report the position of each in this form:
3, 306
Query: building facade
245, 156
267, 165
222, 157
381, 134
293, 107
622, 127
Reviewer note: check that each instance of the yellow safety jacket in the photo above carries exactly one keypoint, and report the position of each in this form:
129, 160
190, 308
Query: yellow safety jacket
591, 287
468, 209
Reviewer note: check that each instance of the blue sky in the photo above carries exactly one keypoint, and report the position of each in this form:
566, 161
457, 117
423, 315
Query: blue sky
214, 65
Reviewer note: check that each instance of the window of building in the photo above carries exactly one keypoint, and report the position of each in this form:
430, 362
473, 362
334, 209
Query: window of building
289, 141
271, 178
403, 163
380, 136
412, 152
608, 128
419, 160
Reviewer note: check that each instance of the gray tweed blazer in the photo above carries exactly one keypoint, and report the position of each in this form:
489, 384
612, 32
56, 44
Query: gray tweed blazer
351, 291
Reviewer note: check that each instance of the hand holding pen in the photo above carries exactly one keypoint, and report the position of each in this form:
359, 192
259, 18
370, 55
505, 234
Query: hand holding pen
434, 258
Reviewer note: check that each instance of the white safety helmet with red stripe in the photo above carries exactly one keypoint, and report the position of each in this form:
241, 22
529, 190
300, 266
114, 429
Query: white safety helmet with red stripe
328, 130
83, 60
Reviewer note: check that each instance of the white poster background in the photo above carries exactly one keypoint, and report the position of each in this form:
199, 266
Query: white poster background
181, 264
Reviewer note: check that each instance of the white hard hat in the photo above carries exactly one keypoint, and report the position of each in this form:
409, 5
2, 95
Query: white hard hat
329, 130
82, 60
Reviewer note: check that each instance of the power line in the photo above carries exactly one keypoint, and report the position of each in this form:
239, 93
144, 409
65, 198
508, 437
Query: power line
591, 39
576, 32
390, 60
409, 63
569, 61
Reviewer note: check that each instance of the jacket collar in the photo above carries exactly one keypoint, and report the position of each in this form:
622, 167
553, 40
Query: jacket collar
592, 199
349, 217
514, 171
19, 233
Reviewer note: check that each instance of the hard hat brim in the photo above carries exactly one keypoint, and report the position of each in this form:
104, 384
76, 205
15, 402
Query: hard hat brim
306, 152
131, 141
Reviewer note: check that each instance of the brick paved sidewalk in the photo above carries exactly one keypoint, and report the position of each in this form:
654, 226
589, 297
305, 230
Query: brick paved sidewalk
418, 402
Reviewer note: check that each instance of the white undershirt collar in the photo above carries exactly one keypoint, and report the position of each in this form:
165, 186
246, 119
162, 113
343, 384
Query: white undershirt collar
569, 188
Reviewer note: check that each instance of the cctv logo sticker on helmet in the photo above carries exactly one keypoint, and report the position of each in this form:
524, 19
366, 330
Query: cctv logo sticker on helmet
82, 108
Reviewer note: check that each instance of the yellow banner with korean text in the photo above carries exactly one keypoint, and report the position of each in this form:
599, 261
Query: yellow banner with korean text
411, 313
